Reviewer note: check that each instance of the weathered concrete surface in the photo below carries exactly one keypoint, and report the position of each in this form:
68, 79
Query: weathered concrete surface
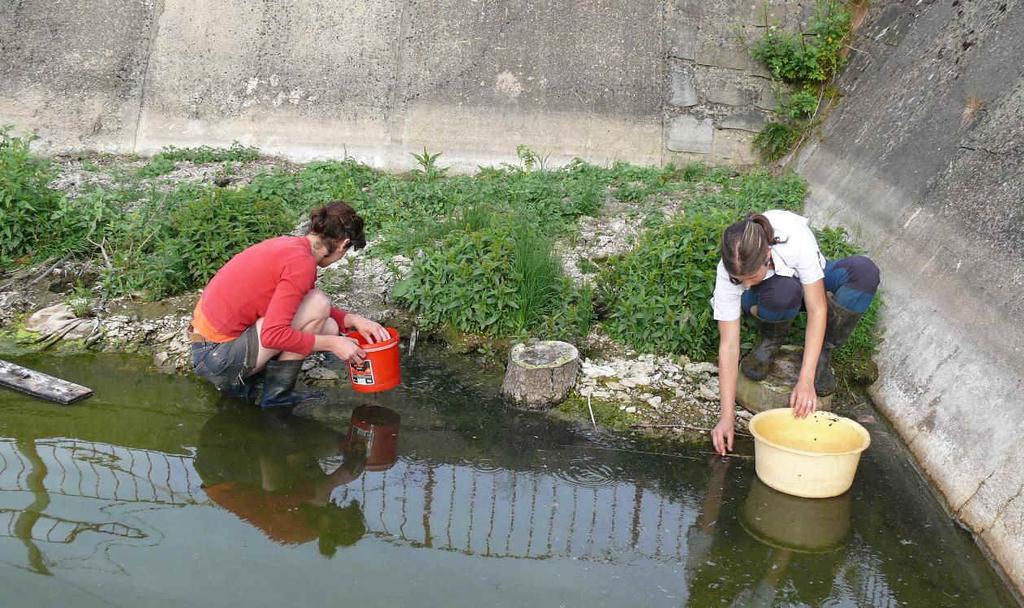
73, 71
379, 81
923, 161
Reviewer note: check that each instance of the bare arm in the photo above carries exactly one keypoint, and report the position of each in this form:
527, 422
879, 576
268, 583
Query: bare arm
803, 399
728, 371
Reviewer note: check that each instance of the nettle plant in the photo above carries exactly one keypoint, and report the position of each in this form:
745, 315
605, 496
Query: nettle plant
802, 63
25, 198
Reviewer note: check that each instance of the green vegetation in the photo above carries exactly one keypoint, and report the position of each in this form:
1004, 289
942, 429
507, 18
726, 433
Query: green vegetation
25, 197
481, 246
169, 248
807, 61
168, 158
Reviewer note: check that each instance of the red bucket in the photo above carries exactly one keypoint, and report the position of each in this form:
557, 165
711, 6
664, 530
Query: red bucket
381, 370
377, 427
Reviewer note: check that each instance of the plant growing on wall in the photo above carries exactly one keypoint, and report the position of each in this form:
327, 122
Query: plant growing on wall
802, 64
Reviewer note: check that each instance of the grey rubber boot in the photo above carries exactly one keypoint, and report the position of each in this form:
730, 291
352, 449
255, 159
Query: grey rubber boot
840, 325
758, 361
279, 385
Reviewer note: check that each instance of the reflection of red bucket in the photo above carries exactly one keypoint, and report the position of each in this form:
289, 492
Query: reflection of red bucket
377, 427
381, 371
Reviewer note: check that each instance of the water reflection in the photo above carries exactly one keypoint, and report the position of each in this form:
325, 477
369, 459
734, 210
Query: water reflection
269, 471
791, 523
49, 524
474, 503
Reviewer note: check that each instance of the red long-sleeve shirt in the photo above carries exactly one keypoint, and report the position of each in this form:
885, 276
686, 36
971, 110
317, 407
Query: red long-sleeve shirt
267, 280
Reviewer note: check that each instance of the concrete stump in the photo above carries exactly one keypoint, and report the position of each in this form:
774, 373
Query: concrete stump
540, 375
774, 391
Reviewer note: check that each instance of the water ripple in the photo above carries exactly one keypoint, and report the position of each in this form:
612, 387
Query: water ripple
586, 472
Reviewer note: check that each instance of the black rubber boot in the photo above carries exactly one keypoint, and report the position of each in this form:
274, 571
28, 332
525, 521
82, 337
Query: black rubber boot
279, 385
840, 325
758, 362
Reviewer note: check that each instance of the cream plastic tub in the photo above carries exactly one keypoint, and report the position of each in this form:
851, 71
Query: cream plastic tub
812, 457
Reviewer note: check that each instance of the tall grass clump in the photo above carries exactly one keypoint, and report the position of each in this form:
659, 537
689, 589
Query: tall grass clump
502, 280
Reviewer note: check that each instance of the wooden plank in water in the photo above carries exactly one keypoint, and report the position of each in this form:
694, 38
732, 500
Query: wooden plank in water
41, 385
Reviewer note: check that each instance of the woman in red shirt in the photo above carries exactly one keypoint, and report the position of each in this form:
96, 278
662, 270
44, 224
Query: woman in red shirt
261, 311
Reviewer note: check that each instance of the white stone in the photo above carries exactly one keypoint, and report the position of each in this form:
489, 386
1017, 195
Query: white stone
58, 319
701, 368
631, 409
655, 401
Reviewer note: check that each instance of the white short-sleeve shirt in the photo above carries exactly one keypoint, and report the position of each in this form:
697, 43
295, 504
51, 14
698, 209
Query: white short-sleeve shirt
797, 256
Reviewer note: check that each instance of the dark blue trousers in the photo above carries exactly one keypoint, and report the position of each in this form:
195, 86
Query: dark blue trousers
852, 282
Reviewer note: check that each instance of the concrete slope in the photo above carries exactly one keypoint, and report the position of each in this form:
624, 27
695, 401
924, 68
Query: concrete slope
923, 161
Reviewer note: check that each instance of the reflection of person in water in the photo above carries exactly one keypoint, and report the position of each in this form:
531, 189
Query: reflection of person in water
266, 470
699, 565
726, 565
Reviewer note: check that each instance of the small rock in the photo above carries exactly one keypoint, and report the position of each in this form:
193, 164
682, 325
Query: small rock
701, 368
655, 401
631, 409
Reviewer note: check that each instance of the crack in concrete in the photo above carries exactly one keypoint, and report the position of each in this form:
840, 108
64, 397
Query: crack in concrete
158, 11
982, 149
967, 501
1001, 510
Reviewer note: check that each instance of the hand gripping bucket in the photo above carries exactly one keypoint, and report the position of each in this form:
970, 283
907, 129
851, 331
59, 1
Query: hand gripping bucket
381, 371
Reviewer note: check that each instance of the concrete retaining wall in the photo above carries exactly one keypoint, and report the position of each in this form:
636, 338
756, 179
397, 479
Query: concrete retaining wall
923, 161
645, 81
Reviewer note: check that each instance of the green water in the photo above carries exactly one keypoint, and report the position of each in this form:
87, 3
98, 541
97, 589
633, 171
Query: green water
157, 493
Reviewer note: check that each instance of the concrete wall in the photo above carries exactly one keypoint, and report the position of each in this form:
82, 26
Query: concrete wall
923, 161
645, 81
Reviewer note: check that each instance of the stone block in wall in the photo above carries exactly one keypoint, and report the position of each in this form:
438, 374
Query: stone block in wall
765, 98
730, 87
784, 13
724, 50
684, 20
690, 134
729, 48
733, 147
683, 90
683, 40
729, 95
749, 120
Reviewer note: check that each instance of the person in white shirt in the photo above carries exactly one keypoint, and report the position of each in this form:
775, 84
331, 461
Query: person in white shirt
771, 267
